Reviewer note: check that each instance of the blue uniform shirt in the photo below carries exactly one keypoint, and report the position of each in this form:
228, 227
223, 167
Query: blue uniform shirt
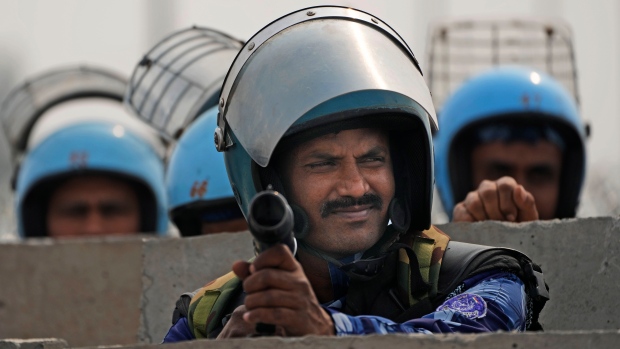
487, 302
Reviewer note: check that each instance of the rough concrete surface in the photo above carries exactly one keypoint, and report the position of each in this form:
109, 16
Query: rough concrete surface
84, 292
560, 340
580, 259
104, 292
174, 266
123, 291
36, 343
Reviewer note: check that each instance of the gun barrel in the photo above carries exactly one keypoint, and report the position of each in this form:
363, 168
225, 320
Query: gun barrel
271, 221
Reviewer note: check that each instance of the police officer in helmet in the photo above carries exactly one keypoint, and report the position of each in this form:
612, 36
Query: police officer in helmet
511, 146
328, 106
200, 198
174, 88
88, 179
85, 167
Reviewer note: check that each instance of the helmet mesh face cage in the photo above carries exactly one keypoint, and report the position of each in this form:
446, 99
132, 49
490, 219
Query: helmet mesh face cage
180, 78
461, 48
25, 104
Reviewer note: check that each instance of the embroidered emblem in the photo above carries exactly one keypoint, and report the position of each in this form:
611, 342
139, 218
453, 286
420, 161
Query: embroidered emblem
199, 189
469, 305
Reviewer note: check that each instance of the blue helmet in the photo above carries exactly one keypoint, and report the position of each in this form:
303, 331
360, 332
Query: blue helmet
196, 180
85, 148
320, 70
515, 95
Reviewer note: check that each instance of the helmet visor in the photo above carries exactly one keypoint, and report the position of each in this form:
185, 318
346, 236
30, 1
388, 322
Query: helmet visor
307, 62
26, 103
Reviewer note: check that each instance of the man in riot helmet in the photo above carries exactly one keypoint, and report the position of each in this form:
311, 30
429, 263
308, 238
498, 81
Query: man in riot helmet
85, 167
174, 88
328, 106
511, 147
89, 179
200, 199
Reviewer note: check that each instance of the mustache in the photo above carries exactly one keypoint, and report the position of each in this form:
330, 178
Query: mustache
367, 199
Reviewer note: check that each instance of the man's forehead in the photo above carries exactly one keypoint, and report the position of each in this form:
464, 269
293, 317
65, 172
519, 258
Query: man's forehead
359, 137
519, 152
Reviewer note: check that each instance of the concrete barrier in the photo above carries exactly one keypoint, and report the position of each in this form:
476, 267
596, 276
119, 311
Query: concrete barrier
123, 291
559, 340
104, 292
580, 259
37, 343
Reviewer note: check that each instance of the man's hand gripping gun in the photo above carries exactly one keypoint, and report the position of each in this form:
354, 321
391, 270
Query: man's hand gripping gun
271, 222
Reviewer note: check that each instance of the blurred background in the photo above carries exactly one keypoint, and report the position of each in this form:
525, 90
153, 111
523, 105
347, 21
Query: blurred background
39, 35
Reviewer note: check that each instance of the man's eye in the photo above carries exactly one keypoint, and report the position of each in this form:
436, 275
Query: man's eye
374, 159
541, 176
498, 171
114, 210
74, 211
321, 164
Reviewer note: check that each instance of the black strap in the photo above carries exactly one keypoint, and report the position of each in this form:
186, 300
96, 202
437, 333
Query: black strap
419, 288
538, 291
421, 308
380, 295
182, 306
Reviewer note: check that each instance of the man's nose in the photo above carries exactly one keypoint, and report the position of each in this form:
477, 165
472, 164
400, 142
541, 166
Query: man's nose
352, 181
94, 224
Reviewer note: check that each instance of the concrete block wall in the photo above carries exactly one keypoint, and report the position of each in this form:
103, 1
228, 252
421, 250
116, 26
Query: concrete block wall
559, 340
37, 343
580, 259
122, 291
105, 292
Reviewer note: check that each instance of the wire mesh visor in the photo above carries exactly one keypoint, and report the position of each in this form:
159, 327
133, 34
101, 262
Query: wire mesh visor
26, 103
295, 64
463, 47
180, 77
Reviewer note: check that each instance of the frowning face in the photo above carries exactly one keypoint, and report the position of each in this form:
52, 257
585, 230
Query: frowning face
535, 166
344, 182
93, 205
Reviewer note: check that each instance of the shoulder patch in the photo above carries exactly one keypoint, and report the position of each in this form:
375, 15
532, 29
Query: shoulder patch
470, 305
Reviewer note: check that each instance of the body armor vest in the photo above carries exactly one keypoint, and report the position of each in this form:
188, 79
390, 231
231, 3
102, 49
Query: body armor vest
414, 280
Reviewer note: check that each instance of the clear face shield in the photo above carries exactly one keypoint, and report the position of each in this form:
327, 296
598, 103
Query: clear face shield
28, 102
304, 59
180, 77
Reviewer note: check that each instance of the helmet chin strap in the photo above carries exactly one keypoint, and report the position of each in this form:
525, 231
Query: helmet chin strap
367, 264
